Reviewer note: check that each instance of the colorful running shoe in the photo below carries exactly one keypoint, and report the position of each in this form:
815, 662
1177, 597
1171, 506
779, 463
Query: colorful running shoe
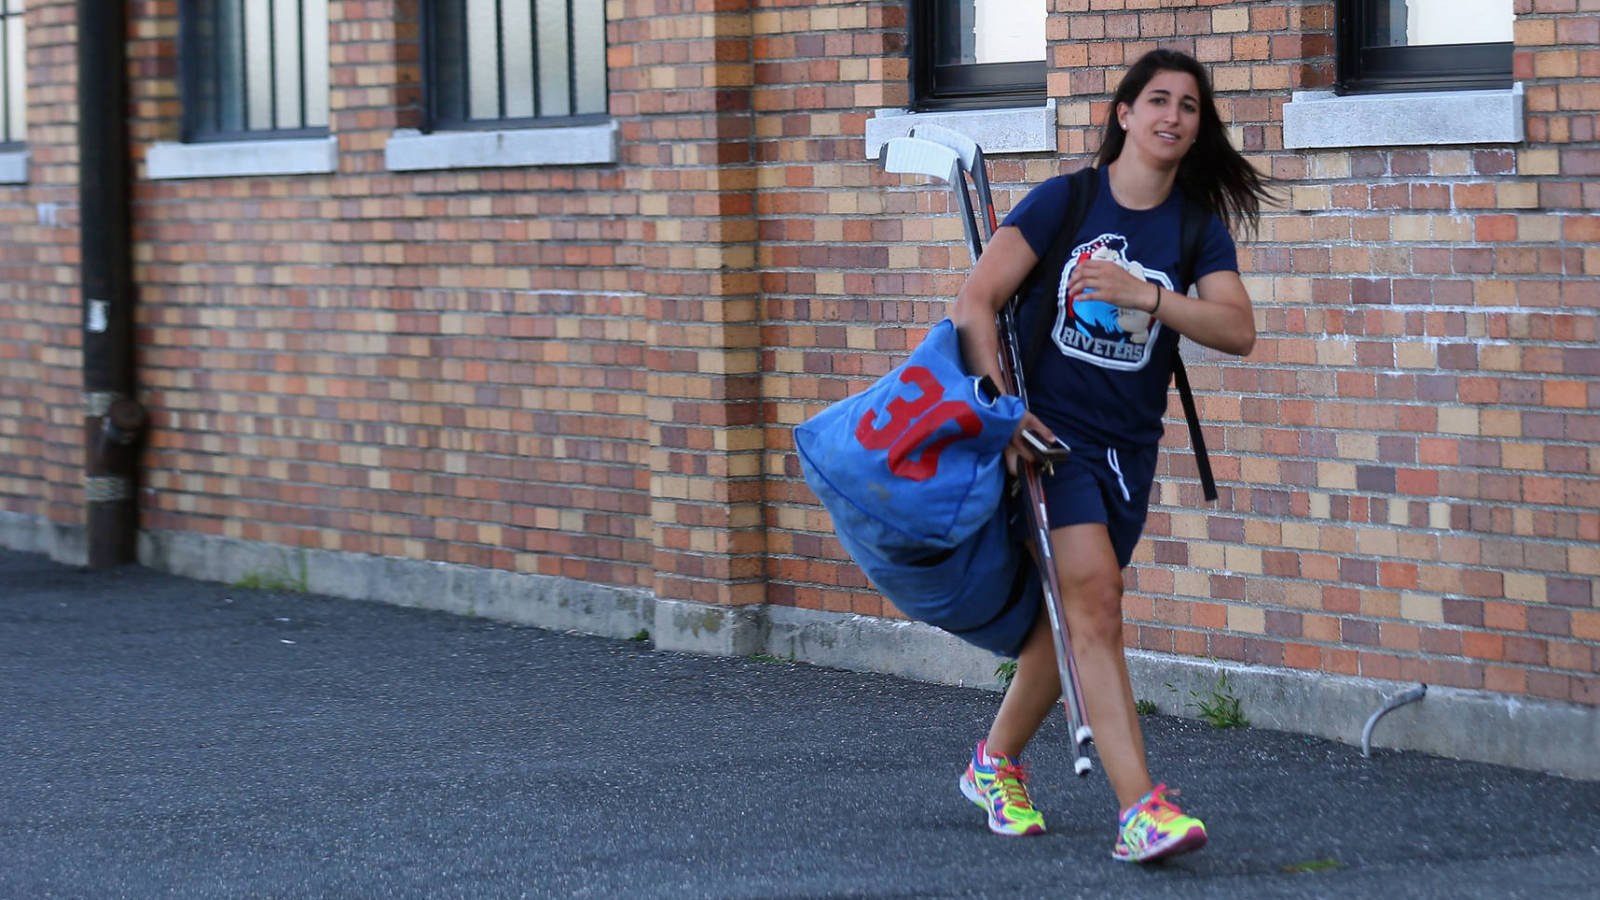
1155, 828
999, 785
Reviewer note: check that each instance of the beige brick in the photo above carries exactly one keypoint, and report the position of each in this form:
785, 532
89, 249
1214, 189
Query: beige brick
1247, 619
1453, 228
1410, 355
1412, 228
1357, 445
1310, 198
1242, 560
1458, 420
1301, 536
1517, 195
1226, 21
1450, 162
1421, 608
1337, 476
1336, 353
1584, 560
1525, 588
1207, 556
1381, 542
1538, 161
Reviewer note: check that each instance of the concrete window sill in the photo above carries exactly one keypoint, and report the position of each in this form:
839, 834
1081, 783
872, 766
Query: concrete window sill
14, 167
1315, 120
1027, 130
229, 159
409, 150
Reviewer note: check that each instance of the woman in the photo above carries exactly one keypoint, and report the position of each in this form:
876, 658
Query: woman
1101, 385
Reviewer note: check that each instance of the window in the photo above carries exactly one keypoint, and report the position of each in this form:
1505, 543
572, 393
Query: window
977, 53
1423, 45
508, 63
13, 76
254, 69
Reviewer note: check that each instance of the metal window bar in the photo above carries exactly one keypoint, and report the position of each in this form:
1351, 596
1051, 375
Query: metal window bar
533, 53
6, 24
272, 62
499, 61
572, 61
300, 58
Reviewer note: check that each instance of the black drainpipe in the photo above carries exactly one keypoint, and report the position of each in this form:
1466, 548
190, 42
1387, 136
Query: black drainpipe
114, 422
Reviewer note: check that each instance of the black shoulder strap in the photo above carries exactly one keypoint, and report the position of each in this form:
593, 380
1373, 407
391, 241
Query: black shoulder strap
1085, 184
1192, 220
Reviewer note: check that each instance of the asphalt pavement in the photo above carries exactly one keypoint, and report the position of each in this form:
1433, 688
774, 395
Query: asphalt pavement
163, 737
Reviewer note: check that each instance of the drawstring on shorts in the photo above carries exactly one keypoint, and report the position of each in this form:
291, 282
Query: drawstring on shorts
1116, 466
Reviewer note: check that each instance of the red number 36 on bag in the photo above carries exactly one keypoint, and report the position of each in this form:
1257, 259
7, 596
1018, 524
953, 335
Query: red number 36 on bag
913, 422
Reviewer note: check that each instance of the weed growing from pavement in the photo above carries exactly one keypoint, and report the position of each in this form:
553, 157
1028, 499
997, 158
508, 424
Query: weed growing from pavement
1315, 865
281, 577
642, 636
1144, 707
767, 657
1005, 673
1220, 706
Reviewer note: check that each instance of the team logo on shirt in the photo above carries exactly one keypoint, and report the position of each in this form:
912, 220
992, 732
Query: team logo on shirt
1099, 332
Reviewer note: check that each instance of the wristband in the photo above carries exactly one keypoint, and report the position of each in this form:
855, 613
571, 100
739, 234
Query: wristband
1158, 300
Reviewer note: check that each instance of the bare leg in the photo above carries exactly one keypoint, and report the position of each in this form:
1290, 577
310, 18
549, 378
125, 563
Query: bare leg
1091, 586
1034, 691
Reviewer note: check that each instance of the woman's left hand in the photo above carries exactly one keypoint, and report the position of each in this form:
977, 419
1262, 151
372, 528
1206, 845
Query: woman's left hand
1112, 284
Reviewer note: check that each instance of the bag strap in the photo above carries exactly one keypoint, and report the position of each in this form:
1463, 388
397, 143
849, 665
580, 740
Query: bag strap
1192, 220
1085, 184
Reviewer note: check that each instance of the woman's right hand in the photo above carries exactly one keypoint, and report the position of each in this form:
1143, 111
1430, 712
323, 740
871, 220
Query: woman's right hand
1018, 448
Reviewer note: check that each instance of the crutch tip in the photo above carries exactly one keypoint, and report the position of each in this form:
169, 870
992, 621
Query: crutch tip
1083, 766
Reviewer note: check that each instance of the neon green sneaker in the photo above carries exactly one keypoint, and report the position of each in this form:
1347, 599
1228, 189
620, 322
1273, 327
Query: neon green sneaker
999, 785
1155, 828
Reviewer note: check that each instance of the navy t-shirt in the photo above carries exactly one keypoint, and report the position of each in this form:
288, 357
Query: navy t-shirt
1102, 375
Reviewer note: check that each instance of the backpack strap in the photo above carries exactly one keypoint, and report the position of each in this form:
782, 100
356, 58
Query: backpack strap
1192, 220
1085, 184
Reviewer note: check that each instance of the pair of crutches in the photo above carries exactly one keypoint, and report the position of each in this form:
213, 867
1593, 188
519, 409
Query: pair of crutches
953, 158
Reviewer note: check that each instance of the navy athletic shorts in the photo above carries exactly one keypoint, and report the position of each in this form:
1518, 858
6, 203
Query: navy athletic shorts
1111, 487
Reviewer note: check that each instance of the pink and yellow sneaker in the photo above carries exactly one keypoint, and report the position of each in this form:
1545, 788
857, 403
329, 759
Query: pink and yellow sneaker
1155, 828
999, 785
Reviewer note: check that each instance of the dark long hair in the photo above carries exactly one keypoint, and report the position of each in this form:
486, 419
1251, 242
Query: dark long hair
1212, 173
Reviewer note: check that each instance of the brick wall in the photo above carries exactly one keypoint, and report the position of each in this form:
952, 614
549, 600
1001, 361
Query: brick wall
444, 366
41, 383
592, 371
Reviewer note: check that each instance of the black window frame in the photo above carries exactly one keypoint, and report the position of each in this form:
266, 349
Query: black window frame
440, 67
200, 79
8, 20
1364, 68
936, 86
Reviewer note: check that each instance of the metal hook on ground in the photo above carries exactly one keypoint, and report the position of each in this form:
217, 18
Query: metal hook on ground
1398, 700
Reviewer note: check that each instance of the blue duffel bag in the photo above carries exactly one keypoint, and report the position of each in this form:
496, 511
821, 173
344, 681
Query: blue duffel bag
912, 472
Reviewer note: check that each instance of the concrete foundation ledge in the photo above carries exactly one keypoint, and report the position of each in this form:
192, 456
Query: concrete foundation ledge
688, 627
1523, 732
67, 544
544, 601
870, 644
1527, 733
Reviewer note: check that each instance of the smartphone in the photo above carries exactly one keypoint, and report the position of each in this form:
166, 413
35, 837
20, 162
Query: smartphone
1047, 451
